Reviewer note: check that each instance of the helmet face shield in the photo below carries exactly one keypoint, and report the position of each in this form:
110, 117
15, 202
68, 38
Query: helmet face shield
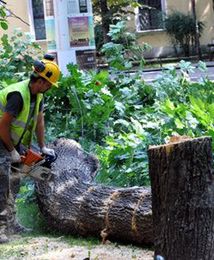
48, 70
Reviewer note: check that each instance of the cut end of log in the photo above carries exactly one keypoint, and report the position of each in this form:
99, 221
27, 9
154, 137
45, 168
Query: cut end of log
176, 139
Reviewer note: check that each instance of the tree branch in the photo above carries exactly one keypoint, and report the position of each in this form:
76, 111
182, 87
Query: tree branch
12, 14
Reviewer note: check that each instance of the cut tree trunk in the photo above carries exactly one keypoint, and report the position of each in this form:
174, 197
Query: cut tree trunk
183, 199
73, 204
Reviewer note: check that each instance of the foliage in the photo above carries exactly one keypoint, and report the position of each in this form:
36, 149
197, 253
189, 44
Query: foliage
84, 105
27, 208
117, 116
116, 9
109, 12
182, 30
3, 16
16, 57
123, 50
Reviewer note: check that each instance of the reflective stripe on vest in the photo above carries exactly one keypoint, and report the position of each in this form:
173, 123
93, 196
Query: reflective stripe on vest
15, 137
18, 123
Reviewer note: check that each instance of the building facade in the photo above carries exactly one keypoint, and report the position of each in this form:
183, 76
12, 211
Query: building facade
147, 22
29, 15
64, 28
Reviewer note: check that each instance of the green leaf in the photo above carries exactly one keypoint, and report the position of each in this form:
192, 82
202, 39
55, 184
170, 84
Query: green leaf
179, 124
137, 127
4, 25
120, 107
168, 107
122, 122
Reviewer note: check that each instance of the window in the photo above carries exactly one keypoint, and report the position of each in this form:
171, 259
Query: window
83, 6
38, 19
49, 7
150, 16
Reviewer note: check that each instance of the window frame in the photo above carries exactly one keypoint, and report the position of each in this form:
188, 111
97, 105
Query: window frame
31, 19
137, 23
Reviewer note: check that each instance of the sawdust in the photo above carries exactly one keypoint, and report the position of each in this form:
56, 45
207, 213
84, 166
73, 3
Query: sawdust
44, 248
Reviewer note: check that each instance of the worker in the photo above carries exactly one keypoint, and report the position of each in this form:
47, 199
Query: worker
21, 114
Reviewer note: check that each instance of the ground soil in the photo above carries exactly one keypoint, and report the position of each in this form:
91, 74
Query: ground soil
45, 248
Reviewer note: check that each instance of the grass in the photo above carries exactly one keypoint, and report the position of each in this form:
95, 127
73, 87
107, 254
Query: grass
13, 249
20, 246
41, 246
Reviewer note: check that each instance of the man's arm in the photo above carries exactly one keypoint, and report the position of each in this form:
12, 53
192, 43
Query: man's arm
40, 130
5, 136
13, 108
40, 134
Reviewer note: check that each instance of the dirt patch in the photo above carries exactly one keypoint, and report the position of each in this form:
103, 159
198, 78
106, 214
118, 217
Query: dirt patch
44, 248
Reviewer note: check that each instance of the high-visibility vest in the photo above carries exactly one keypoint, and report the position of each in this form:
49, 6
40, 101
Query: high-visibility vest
20, 122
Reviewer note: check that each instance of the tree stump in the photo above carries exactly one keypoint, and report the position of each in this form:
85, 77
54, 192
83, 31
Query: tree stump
183, 199
73, 204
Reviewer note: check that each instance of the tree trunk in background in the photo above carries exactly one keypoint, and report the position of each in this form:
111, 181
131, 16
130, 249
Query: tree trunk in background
197, 40
183, 199
105, 19
73, 204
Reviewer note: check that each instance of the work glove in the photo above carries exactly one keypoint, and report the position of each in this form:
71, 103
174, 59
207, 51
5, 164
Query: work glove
48, 151
15, 156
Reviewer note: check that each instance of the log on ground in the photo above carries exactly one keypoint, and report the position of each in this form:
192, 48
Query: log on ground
74, 204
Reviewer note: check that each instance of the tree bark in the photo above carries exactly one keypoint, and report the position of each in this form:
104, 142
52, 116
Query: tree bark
197, 33
106, 21
183, 199
73, 204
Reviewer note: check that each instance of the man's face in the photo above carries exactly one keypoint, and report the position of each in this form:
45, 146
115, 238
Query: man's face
43, 85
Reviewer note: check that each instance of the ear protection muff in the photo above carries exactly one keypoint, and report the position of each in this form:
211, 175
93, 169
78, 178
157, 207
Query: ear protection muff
39, 66
48, 56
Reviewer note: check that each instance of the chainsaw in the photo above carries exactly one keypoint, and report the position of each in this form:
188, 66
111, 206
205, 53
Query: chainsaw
35, 165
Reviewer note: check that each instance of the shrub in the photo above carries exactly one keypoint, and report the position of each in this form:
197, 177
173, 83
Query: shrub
16, 57
123, 49
182, 30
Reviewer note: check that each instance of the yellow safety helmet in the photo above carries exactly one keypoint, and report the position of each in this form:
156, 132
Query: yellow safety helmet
47, 69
